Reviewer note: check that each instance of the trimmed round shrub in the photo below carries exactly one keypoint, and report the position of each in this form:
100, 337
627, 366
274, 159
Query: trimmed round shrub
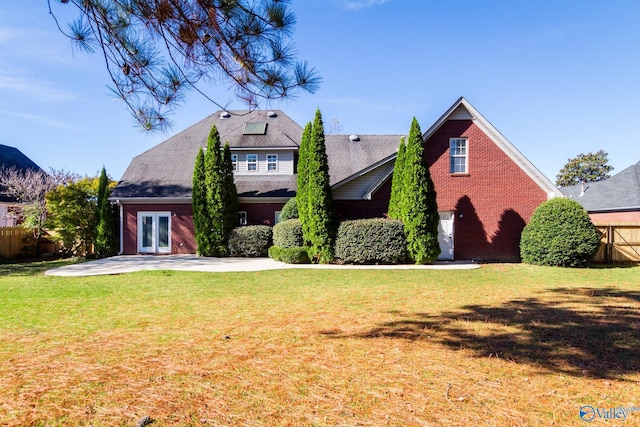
559, 233
371, 241
288, 234
289, 210
289, 255
250, 241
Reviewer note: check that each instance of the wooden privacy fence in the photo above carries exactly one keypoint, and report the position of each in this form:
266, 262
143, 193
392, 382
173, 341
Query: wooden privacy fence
16, 241
618, 243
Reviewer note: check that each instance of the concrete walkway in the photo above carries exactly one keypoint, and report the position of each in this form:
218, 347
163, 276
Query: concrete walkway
130, 263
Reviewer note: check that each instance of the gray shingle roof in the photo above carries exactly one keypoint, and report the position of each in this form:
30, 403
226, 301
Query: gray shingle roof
166, 169
620, 192
347, 158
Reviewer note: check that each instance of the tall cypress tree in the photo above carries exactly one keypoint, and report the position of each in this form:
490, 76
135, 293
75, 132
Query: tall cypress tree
302, 200
418, 207
214, 197
106, 241
214, 185
199, 205
321, 211
396, 183
230, 199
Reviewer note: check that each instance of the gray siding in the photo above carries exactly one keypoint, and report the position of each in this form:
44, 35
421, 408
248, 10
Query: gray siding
284, 164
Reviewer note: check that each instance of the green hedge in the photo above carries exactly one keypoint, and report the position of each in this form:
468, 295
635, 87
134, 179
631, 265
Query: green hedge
289, 210
289, 255
250, 241
559, 233
371, 241
288, 234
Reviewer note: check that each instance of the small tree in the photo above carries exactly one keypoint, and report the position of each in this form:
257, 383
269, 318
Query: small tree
559, 233
396, 183
417, 202
106, 234
72, 214
588, 167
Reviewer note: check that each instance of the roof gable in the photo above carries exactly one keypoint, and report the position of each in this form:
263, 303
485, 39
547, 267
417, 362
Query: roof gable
463, 110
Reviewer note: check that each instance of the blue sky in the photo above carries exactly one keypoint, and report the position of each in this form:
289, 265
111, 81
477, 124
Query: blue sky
557, 78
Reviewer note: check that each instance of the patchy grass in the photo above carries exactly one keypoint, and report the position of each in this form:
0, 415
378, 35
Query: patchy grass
502, 345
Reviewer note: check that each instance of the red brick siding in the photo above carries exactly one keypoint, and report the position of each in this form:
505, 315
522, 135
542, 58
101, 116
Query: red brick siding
491, 203
260, 213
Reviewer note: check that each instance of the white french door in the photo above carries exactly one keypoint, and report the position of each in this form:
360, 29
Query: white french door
445, 236
154, 232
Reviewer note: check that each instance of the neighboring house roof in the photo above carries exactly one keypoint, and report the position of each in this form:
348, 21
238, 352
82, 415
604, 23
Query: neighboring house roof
11, 157
463, 110
621, 192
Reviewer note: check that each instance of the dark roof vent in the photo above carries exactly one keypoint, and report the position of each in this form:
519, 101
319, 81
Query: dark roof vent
225, 115
354, 138
272, 114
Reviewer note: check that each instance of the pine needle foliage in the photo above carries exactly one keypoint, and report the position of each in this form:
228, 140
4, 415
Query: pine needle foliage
157, 50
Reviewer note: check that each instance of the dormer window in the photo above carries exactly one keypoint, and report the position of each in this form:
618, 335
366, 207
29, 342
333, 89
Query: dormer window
272, 162
234, 162
252, 162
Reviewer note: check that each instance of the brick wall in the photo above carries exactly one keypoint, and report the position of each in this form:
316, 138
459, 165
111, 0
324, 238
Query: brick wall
491, 203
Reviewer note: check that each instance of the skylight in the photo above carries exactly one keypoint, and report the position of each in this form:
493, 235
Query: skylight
255, 128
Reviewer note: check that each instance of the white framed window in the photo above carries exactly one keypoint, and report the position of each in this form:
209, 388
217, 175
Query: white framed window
242, 218
252, 162
272, 162
276, 217
458, 154
234, 161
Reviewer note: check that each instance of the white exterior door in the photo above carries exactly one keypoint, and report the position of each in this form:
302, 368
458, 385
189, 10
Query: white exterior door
445, 236
154, 232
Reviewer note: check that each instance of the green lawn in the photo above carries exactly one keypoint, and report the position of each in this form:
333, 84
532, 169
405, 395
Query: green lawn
501, 345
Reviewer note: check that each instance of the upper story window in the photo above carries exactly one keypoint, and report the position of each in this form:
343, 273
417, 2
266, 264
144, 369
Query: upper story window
272, 162
234, 161
252, 162
459, 159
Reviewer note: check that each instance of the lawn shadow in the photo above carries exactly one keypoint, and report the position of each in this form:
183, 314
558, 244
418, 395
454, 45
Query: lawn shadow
593, 332
31, 267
